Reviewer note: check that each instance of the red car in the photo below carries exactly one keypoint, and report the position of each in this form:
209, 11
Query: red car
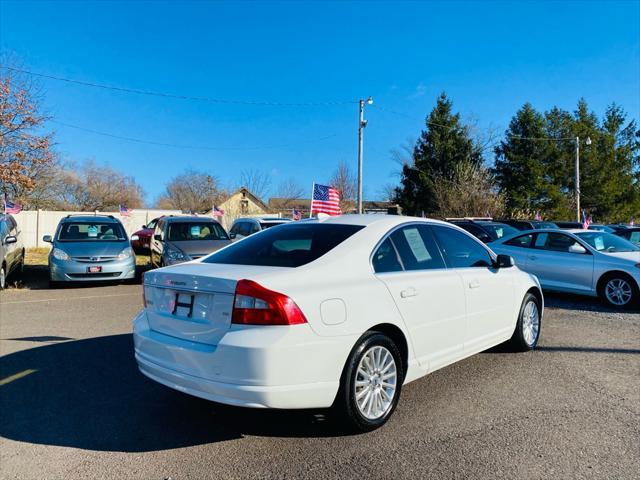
141, 243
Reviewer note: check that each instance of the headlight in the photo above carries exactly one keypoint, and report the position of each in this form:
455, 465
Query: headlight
60, 254
126, 253
174, 255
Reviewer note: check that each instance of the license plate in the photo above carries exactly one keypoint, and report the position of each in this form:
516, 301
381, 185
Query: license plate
94, 269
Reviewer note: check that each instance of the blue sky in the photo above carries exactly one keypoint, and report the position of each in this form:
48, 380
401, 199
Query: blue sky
490, 58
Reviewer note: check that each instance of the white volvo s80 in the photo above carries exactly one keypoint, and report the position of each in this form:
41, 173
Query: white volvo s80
335, 312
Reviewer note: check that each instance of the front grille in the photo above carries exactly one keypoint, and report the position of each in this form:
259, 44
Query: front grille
94, 275
94, 259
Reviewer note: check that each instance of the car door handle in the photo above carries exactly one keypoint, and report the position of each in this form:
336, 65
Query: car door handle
532, 257
409, 292
474, 284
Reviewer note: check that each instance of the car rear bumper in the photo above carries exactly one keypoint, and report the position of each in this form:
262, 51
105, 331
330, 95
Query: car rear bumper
72, 271
259, 367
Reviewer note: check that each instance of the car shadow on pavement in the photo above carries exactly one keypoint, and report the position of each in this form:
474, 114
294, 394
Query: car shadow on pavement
36, 277
89, 394
568, 301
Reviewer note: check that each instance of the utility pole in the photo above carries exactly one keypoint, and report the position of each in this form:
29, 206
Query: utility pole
577, 179
361, 124
586, 142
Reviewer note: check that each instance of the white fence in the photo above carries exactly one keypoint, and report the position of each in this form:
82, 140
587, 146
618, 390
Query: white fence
34, 224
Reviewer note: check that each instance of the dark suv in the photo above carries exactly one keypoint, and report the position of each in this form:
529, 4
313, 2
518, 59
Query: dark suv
485, 230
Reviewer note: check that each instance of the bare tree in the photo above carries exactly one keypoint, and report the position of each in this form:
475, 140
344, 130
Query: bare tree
97, 187
344, 180
257, 182
192, 190
24, 150
288, 191
388, 192
470, 190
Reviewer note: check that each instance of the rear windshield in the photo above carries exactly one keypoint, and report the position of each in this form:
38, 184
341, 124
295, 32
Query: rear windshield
189, 231
264, 225
289, 246
91, 232
499, 230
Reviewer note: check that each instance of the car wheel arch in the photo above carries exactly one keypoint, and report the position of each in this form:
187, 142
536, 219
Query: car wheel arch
398, 337
613, 273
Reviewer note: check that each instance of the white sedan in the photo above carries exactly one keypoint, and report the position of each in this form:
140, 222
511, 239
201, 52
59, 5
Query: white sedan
335, 312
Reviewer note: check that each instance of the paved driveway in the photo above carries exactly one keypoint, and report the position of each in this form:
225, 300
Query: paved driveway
73, 405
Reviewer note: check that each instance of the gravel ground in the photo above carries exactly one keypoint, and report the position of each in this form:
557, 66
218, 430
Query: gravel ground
570, 409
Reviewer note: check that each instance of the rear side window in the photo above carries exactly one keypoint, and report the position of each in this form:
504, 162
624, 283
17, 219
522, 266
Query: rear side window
417, 248
459, 250
524, 241
289, 246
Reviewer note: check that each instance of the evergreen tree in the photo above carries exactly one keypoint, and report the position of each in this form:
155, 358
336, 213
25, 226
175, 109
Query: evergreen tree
443, 145
520, 167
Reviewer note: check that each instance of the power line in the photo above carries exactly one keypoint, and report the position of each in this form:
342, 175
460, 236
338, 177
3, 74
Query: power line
191, 147
179, 97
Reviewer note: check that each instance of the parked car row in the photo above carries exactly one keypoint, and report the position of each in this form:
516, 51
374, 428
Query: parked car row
97, 248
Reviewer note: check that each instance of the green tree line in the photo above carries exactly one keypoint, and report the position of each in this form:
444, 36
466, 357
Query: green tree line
531, 169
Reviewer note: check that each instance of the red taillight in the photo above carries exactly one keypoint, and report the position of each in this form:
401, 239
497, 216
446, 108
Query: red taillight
255, 305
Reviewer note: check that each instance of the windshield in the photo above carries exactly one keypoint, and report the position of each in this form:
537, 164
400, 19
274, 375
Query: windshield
190, 231
91, 232
606, 242
499, 230
289, 246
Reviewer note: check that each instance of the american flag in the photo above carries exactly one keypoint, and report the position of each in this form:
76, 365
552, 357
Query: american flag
217, 212
325, 200
124, 211
11, 207
586, 221
296, 214
538, 216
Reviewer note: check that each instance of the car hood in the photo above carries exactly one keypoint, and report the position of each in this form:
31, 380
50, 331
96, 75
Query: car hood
92, 249
633, 256
145, 232
200, 247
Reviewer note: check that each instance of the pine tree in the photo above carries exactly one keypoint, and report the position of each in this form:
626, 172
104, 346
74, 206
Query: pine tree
443, 144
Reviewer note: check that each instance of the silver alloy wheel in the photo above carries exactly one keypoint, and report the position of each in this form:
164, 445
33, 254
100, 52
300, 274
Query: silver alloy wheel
530, 322
376, 380
3, 278
618, 291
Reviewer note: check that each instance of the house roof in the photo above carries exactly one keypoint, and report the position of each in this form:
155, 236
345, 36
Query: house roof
248, 194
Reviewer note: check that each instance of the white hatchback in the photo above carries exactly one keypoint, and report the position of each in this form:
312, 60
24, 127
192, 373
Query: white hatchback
329, 312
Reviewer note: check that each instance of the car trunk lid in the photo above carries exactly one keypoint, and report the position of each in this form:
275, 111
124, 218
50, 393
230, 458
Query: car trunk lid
194, 301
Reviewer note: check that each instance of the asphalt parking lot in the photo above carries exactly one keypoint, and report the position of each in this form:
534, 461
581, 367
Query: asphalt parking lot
73, 405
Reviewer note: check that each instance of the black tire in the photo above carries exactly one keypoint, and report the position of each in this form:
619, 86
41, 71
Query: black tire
520, 340
345, 404
625, 279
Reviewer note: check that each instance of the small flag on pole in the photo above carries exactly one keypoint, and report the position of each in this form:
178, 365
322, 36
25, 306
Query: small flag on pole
586, 221
11, 208
124, 211
296, 214
217, 212
538, 216
325, 200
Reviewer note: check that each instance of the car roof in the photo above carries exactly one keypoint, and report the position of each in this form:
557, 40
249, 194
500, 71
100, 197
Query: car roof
370, 219
189, 218
90, 218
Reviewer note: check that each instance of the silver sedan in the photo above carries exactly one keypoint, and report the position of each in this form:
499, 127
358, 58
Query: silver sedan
586, 262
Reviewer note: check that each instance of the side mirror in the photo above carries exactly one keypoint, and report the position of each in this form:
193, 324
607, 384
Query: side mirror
577, 248
10, 239
504, 261
232, 236
135, 238
157, 237
144, 226
47, 238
